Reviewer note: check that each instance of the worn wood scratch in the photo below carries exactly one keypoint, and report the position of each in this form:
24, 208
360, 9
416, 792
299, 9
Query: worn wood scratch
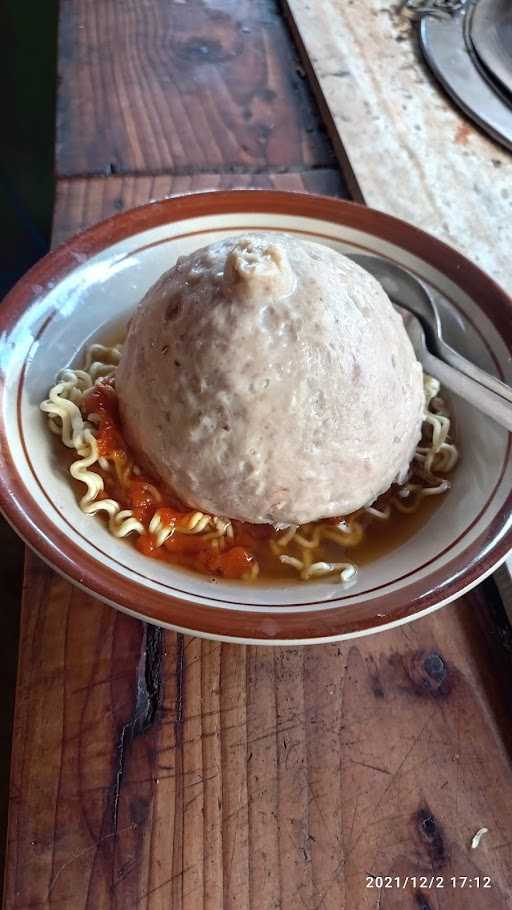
147, 704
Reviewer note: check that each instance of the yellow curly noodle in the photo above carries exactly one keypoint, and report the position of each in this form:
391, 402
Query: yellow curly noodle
65, 418
438, 456
64, 407
434, 456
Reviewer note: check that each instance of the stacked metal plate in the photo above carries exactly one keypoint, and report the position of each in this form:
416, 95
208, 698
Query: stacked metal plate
468, 45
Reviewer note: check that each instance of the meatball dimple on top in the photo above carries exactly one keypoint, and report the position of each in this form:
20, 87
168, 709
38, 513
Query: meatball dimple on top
269, 379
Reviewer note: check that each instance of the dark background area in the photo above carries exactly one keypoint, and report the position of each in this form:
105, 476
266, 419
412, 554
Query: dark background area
28, 78
28, 44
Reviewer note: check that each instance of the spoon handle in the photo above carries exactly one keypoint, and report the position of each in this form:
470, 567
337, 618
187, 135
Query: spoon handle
482, 398
470, 369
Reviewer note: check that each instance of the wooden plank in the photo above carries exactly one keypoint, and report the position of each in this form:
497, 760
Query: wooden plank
181, 86
403, 146
156, 771
152, 770
80, 201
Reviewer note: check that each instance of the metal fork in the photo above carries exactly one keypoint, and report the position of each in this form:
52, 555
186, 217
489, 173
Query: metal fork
423, 324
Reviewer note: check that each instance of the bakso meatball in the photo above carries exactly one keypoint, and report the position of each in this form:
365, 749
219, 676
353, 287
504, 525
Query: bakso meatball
269, 379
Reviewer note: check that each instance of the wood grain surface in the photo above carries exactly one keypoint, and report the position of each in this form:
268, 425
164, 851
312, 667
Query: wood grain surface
150, 86
402, 144
80, 202
156, 771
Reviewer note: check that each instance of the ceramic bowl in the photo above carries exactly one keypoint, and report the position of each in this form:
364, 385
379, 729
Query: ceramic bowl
92, 282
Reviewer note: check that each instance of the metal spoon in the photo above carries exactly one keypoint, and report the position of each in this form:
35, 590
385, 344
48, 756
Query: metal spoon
484, 399
406, 291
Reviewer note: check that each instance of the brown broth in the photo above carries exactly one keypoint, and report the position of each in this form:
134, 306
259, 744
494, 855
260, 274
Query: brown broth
381, 536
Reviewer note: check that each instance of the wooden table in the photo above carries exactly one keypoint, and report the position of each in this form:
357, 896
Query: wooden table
156, 771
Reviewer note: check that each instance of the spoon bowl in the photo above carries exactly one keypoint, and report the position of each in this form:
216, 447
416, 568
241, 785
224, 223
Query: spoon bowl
408, 292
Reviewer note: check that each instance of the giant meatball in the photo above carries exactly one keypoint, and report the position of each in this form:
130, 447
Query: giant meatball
269, 379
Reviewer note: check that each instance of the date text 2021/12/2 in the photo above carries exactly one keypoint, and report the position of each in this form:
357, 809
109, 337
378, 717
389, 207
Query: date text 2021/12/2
428, 881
